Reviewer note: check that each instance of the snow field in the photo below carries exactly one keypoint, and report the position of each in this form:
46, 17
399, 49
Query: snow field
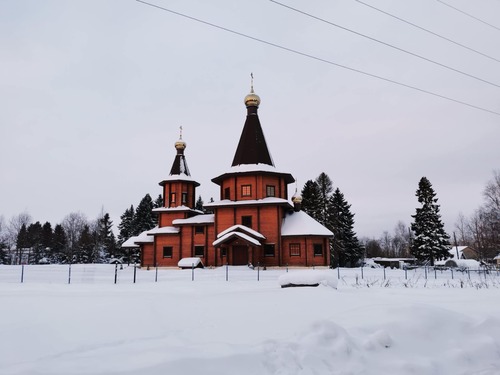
243, 326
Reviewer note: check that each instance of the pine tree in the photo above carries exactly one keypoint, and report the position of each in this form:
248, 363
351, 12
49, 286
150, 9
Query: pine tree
105, 239
199, 204
144, 219
158, 203
325, 188
4, 259
86, 253
47, 235
346, 249
311, 201
126, 226
59, 242
22, 243
430, 242
35, 243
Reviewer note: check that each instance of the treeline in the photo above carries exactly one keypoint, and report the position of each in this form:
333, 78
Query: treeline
76, 239
481, 230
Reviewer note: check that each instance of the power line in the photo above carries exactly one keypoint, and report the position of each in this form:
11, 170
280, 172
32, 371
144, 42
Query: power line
385, 44
469, 15
427, 30
319, 59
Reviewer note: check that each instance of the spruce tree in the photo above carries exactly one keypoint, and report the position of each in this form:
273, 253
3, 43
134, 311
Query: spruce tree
199, 204
431, 242
86, 246
144, 219
35, 243
22, 244
346, 248
59, 242
126, 226
325, 188
311, 201
106, 239
47, 235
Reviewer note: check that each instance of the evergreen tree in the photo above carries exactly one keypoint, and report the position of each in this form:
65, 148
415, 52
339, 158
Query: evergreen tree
199, 204
86, 246
144, 219
47, 235
311, 200
346, 249
58, 250
158, 203
22, 244
4, 259
325, 188
126, 226
430, 242
105, 237
35, 243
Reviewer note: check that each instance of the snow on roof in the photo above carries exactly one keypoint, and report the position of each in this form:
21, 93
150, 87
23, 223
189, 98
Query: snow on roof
309, 277
163, 230
243, 236
178, 208
300, 224
189, 262
179, 177
130, 242
144, 237
244, 228
267, 200
198, 219
497, 257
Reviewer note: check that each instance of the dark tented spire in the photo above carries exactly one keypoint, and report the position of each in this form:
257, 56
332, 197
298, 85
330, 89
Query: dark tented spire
252, 147
180, 165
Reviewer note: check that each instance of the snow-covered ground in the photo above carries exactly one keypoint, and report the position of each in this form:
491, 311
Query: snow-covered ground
403, 324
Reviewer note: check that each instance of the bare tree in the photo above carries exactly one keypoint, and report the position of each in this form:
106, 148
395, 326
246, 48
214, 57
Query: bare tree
73, 225
13, 229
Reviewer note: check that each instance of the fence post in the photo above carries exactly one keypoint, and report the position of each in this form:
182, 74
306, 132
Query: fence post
227, 271
135, 272
192, 271
435, 274
425, 269
287, 267
69, 274
156, 274
338, 272
116, 272
384, 273
468, 272
361, 272
258, 271
451, 269
406, 273
22, 273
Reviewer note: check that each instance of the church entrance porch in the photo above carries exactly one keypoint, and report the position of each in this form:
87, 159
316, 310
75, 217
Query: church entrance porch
239, 255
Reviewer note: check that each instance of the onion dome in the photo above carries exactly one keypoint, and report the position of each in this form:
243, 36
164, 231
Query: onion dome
252, 99
180, 145
297, 201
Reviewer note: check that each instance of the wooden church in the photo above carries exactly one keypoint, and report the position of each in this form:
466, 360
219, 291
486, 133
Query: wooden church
252, 223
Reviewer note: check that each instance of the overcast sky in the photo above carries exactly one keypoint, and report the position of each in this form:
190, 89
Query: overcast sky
93, 92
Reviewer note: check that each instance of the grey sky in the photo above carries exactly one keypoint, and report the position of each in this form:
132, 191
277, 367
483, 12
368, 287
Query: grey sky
93, 94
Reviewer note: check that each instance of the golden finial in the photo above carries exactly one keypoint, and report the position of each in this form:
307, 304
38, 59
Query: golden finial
252, 99
180, 144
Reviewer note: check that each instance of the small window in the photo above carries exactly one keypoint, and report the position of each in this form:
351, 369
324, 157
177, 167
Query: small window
184, 198
223, 252
246, 221
269, 250
227, 193
167, 252
199, 251
246, 190
318, 250
270, 191
199, 229
172, 197
295, 249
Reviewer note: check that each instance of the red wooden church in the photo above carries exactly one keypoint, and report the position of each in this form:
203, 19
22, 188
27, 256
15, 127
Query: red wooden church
253, 222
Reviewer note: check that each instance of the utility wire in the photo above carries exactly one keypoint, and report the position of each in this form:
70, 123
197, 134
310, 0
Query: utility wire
319, 59
385, 44
469, 15
427, 30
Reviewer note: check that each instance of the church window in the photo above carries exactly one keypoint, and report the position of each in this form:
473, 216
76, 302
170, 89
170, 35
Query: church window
227, 193
294, 249
270, 191
318, 250
199, 229
269, 250
167, 251
246, 190
172, 197
199, 251
246, 221
184, 198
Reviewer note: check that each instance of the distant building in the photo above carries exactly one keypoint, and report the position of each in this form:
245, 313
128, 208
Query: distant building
253, 222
